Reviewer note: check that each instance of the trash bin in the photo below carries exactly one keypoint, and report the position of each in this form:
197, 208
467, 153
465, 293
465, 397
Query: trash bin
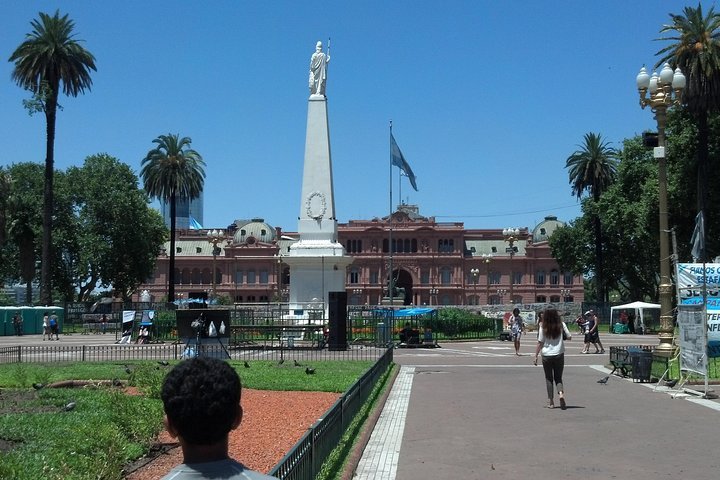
641, 361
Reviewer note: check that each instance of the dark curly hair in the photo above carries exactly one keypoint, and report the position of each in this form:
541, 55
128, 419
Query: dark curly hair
201, 398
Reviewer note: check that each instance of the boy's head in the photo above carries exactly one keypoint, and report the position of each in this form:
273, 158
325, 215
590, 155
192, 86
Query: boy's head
201, 397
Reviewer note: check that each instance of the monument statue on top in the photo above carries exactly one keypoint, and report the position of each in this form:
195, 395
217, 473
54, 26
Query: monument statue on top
318, 70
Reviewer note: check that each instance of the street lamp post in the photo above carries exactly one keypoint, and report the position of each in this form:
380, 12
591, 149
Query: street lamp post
660, 92
486, 259
511, 236
215, 237
433, 293
565, 292
475, 272
501, 293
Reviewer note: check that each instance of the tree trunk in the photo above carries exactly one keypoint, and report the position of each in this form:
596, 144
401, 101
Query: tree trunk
45, 266
702, 161
171, 265
599, 279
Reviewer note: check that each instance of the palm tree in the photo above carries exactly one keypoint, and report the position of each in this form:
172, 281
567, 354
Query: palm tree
696, 50
592, 169
50, 56
170, 170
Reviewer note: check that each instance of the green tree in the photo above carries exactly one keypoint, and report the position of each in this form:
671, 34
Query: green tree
118, 235
51, 56
695, 48
169, 170
24, 222
592, 169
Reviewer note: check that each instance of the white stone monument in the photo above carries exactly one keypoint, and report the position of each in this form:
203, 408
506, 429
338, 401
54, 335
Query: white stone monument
317, 262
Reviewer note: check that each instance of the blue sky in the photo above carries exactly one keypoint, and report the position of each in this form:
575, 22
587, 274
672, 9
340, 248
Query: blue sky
487, 99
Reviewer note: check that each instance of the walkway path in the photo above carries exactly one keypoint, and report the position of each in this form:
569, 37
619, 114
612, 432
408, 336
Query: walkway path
476, 411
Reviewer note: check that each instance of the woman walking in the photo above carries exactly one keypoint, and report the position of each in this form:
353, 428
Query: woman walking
517, 327
551, 342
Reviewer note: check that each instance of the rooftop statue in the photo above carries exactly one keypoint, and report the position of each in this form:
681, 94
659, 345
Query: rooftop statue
318, 70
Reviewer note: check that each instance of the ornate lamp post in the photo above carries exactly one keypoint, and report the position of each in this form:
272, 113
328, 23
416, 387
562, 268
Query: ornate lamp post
486, 259
565, 292
215, 237
660, 92
433, 293
501, 293
475, 272
511, 236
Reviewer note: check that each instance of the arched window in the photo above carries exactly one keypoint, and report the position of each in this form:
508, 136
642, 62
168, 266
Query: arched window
554, 298
540, 278
554, 277
354, 275
567, 278
540, 299
196, 276
446, 275
206, 276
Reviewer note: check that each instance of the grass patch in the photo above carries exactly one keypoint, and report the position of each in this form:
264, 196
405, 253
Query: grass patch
108, 429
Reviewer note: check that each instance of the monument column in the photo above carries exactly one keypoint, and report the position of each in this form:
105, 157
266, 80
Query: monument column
317, 262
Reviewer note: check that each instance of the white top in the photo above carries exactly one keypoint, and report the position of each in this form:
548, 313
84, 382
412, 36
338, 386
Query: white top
553, 346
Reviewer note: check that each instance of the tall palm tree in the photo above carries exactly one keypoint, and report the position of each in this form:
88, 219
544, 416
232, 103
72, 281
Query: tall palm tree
593, 169
171, 170
51, 56
696, 50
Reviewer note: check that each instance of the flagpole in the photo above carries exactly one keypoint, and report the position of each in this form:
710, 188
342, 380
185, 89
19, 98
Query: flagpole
390, 244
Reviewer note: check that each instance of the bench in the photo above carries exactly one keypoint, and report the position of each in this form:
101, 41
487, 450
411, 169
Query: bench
620, 360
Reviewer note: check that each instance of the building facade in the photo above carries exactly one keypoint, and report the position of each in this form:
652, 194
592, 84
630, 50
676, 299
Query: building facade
432, 263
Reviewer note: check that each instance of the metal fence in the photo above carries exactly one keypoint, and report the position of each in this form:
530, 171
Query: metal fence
305, 459
175, 351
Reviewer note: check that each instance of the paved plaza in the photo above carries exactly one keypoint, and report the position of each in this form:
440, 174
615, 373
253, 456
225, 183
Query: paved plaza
476, 411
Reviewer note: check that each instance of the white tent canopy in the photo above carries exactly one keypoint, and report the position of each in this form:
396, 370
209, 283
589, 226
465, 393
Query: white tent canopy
638, 307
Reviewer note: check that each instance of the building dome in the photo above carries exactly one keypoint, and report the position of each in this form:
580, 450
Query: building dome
543, 230
253, 231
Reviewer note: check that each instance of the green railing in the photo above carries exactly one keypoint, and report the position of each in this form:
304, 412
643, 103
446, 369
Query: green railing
305, 459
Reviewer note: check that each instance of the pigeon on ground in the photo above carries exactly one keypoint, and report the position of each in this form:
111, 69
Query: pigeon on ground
164, 363
309, 371
116, 382
603, 380
282, 360
247, 365
128, 370
297, 364
38, 386
671, 383
70, 406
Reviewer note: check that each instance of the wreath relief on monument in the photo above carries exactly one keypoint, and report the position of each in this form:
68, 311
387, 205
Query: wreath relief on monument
315, 205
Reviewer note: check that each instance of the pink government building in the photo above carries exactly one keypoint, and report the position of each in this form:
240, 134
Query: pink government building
436, 263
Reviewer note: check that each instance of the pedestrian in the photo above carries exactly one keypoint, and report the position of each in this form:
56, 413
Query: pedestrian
46, 326
591, 333
17, 321
54, 327
551, 343
103, 324
201, 399
517, 327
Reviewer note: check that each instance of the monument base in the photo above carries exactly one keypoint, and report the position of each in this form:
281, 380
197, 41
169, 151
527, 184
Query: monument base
394, 301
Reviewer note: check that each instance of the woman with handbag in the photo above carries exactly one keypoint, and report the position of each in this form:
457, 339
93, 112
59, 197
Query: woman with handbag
551, 342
